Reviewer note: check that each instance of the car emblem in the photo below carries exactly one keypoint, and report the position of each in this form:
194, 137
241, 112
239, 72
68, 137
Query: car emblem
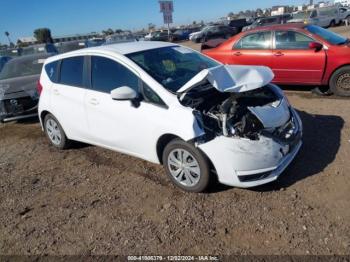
14, 102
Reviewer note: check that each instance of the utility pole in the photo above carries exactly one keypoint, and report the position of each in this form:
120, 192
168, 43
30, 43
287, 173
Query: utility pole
167, 8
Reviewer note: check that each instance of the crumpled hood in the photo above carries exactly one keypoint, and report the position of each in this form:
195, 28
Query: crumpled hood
231, 78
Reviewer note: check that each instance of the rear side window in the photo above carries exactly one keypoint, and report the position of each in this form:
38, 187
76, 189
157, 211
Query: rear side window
289, 40
51, 71
72, 71
107, 75
255, 41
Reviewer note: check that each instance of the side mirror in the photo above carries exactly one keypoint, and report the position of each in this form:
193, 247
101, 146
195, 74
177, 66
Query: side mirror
123, 93
315, 45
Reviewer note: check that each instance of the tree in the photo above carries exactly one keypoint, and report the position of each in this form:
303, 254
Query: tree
7, 34
259, 12
194, 22
118, 31
43, 35
109, 31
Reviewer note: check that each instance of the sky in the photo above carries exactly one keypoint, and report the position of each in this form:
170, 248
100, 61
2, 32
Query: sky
21, 17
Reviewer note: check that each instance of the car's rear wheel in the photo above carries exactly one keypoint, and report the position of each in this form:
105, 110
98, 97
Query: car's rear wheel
340, 82
186, 166
55, 133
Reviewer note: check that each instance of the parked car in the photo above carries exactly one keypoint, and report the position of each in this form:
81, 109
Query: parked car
119, 38
149, 35
3, 61
324, 17
38, 49
18, 94
69, 46
10, 52
182, 34
266, 21
344, 14
298, 54
160, 36
171, 105
239, 24
95, 41
213, 32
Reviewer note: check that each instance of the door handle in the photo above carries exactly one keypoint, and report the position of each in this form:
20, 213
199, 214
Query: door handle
238, 54
278, 54
94, 101
56, 92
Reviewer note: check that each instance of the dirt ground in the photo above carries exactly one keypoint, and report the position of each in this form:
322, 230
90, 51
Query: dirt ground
89, 200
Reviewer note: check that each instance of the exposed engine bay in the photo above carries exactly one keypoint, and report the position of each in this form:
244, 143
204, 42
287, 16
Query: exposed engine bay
244, 114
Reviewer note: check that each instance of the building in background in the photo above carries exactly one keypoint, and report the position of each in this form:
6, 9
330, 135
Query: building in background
278, 10
28, 40
342, 2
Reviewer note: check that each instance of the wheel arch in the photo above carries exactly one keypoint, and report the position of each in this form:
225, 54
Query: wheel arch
167, 138
42, 117
162, 143
334, 71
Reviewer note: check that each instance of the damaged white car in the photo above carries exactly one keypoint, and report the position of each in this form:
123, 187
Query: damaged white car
173, 106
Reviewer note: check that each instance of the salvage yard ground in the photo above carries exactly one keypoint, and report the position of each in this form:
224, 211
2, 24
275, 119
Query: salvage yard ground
89, 200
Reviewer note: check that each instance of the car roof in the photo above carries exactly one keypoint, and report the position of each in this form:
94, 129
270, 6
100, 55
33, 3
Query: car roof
279, 27
119, 48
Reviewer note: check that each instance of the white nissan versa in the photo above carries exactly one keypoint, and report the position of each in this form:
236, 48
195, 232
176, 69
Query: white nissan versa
171, 105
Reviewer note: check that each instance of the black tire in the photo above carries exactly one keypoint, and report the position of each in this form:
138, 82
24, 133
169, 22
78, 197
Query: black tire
63, 142
203, 163
332, 24
340, 82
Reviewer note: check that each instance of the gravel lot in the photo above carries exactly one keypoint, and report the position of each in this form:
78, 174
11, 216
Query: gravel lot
89, 200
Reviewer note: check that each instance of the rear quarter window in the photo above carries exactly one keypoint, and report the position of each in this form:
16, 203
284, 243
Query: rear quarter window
71, 72
51, 71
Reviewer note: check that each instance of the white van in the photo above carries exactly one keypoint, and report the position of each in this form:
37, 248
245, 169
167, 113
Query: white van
324, 17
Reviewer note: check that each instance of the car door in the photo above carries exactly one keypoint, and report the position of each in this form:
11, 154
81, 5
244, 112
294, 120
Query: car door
253, 49
125, 126
294, 62
67, 97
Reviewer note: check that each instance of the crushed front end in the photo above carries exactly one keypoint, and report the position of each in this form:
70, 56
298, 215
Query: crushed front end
251, 136
17, 103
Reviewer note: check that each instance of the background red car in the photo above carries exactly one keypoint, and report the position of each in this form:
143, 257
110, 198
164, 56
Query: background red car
298, 54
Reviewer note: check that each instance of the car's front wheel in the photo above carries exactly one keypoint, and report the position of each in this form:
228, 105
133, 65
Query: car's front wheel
55, 133
186, 166
340, 82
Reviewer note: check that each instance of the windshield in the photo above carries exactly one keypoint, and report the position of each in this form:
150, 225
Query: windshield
206, 29
172, 66
327, 35
18, 68
302, 15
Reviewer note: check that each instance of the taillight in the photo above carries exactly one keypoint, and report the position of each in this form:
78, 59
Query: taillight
39, 87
